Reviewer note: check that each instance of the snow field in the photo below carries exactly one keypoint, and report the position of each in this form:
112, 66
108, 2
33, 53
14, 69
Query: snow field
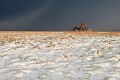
64, 57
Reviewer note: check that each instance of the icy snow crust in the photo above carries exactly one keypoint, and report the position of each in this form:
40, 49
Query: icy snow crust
59, 56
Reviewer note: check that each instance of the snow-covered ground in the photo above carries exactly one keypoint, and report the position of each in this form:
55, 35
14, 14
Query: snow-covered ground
59, 56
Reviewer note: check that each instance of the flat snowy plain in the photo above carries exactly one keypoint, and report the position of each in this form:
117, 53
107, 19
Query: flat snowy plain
59, 56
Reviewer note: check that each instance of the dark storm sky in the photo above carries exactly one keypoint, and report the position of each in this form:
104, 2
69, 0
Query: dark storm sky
100, 15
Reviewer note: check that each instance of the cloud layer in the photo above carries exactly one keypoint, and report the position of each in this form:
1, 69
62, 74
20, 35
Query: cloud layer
101, 15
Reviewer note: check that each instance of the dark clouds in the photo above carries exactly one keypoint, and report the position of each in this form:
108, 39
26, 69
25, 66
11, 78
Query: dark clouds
100, 15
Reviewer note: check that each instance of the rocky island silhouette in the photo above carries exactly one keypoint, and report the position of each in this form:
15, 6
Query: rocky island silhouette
81, 27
